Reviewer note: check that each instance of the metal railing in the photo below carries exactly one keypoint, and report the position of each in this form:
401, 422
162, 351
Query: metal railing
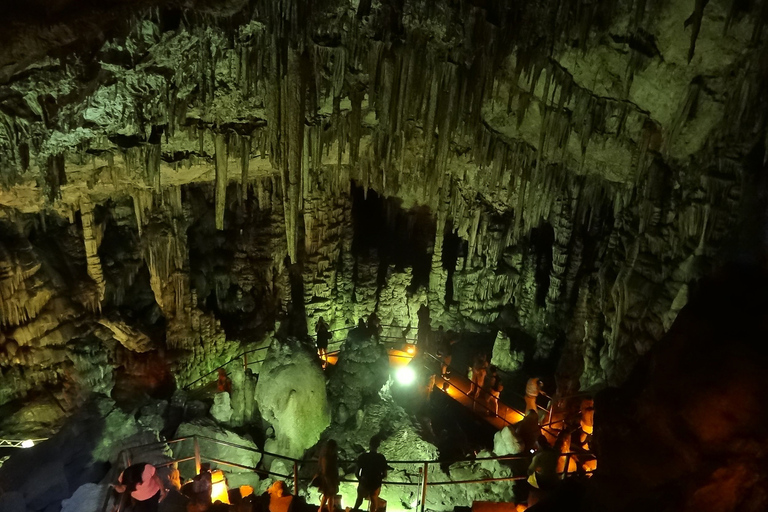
20, 443
423, 482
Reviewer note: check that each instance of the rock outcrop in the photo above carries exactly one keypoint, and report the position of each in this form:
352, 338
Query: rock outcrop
291, 396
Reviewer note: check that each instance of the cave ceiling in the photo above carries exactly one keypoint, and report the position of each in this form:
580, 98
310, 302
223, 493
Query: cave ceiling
588, 159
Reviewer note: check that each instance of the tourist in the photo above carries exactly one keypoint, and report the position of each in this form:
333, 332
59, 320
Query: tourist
323, 337
374, 325
495, 387
202, 484
280, 500
533, 388
371, 470
587, 422
479, 372
328, 475
528, 431
542, 475
143, 485
445, 352
224, 383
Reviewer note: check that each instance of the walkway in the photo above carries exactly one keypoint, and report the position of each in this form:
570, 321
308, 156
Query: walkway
459, 387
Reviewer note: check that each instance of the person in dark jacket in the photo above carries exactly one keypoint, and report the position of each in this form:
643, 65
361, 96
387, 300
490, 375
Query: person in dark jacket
371, 470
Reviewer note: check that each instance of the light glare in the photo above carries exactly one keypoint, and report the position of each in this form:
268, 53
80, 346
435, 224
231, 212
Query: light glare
27, 443
405, 375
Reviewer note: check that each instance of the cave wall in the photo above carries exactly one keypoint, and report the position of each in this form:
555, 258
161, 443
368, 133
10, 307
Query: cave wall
590, 158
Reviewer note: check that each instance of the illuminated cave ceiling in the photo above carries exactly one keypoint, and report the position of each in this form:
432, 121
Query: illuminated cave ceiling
160, 160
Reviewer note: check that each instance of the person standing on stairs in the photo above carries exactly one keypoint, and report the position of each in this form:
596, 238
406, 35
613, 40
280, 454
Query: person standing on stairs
328, 475
495, 387
371, 470
479, 373
533, 388
143, 485
323, 337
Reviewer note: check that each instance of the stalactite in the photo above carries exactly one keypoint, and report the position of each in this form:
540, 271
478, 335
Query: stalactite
245, 160
292, 148
222, 159
55, 177
92, 241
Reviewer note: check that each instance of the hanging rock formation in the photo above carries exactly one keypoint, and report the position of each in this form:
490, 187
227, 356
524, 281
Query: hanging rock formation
580, 162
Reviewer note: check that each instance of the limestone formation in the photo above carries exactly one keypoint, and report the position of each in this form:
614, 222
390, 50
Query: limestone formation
291, 396
178, 180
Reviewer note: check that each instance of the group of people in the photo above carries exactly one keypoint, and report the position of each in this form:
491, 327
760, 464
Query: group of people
486, 385
371, 470
324, 335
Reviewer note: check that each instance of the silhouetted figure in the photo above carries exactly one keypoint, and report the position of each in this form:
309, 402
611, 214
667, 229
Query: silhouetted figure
323, 337
479, 373
361, 330
445, 353
371, 470
425, 329
437, 339
328, 475
587, 422
565, 463
143, 485
528, 431
224, 383
542, 475
374, 325
202, 485
280, 500
494, 389
533, 388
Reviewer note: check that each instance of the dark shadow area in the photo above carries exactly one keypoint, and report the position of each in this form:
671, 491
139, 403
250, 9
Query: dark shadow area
689, 429
232, 270
52, 470
401, 238
453, 249
542, 239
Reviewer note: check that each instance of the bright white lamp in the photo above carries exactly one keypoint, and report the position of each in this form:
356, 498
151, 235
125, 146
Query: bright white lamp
405, 375
27, 443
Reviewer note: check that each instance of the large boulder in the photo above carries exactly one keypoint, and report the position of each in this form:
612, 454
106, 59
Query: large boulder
12, 501
505, 443
208, 431
291, 396
87, 498
221, 410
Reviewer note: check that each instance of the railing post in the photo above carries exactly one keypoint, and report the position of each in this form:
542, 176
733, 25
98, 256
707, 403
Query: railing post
424, 483
551, 406
296, 478
245, 361
197, 455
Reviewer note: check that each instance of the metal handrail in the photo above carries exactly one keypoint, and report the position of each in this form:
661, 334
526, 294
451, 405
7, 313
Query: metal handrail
18, 443
423, 470
236, 358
